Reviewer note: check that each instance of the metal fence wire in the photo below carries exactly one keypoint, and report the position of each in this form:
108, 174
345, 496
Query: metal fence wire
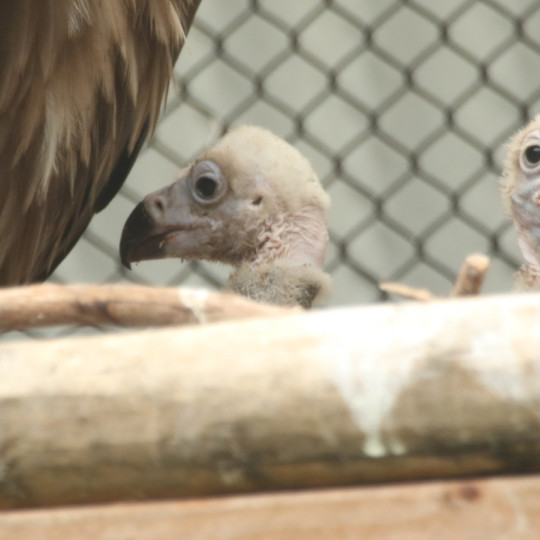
403, 108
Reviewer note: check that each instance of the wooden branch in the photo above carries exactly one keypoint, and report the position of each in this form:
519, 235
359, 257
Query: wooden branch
121, 305
471, 276
494, 509
469, 281
410, 293
383, 393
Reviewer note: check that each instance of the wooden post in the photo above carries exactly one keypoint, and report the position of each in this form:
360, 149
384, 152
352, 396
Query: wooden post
341, 397
471, 276
494, 509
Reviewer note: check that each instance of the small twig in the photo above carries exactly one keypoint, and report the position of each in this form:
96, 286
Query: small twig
405, 291
468, 282
122, 305
471, 276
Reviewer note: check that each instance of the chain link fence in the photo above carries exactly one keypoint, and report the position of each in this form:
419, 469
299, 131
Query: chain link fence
403, 107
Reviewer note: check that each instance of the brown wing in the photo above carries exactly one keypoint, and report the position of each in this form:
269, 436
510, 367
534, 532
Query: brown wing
81, 84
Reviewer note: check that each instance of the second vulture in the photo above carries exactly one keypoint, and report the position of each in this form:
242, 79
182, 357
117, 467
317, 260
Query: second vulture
520, 186
251, 201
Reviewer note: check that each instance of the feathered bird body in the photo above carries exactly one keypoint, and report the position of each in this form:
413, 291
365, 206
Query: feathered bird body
82, 83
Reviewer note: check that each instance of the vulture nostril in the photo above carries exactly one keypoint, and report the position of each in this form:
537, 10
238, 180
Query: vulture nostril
156, 206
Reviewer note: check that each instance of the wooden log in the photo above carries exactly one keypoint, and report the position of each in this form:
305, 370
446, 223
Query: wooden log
121, 305
384, 393
494, 509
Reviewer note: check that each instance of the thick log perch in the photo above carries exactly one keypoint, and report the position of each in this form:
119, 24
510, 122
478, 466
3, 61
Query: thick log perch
342, 397
121, 305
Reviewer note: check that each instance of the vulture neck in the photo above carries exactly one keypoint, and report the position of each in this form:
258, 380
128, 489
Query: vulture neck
287, 268
280, 283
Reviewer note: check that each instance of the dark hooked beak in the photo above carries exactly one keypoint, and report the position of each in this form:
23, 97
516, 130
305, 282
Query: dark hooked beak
138, 240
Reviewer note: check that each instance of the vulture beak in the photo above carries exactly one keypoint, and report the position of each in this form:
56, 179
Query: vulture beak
163, 225
135, 234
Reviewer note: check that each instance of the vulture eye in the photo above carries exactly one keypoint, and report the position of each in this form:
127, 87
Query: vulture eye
205, 187
532, 155
207, 183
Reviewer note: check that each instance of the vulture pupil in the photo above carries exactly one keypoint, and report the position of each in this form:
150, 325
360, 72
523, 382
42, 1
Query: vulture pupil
206, 187
533, 154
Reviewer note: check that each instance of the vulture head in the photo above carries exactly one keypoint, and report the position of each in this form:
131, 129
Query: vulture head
251, 201
520, 188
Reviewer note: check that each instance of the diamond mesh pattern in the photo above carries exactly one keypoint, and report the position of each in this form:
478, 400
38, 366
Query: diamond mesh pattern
403, 108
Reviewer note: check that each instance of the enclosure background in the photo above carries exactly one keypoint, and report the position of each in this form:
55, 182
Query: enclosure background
403, 107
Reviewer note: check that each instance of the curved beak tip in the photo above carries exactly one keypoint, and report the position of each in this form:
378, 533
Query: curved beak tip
125, 261
136, 229
125, 250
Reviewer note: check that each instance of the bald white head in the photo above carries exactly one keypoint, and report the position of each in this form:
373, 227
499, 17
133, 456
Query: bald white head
251, 200
520, 187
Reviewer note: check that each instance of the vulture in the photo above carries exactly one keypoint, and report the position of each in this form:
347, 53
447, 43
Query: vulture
251, 201
520, 188
82, 83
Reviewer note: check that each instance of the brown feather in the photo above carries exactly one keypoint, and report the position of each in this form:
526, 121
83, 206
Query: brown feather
82, 80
